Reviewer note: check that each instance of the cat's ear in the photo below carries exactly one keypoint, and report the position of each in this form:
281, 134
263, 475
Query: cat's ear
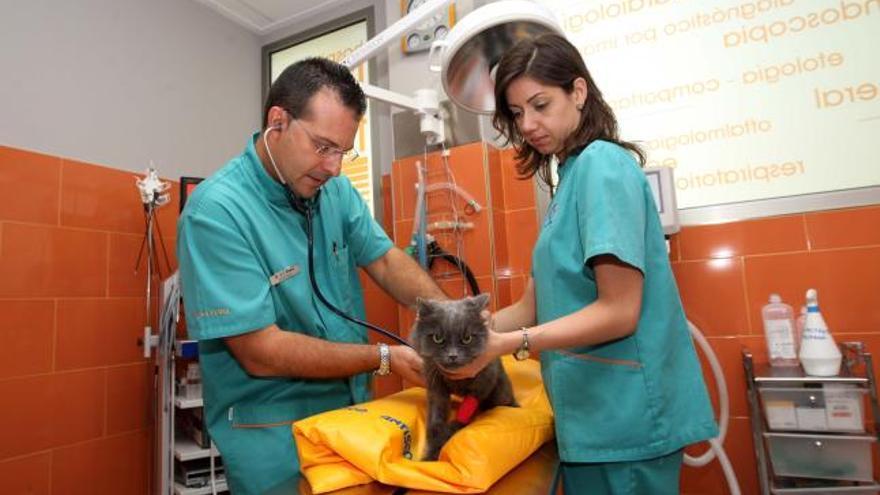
479, 302
424, 307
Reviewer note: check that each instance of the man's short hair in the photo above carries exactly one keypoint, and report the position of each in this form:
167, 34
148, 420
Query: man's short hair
296, 85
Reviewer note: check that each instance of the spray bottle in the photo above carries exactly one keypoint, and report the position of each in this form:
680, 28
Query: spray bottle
799, 323
819, 353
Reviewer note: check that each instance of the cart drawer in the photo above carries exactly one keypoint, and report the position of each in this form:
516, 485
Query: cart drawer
839, 457
834, 407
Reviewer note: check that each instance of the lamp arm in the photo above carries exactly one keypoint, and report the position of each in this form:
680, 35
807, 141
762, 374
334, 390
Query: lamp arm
396, 99
393, 32
426, 103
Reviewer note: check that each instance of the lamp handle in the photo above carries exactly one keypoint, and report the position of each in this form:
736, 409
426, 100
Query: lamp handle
434, 53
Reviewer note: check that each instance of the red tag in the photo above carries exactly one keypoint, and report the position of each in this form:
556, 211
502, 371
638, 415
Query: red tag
467, 409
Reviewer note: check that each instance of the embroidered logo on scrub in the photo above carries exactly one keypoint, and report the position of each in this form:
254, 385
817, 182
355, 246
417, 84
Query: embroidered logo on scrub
212, 312
284, 274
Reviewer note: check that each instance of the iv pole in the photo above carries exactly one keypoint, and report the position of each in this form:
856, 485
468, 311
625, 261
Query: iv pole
153, 196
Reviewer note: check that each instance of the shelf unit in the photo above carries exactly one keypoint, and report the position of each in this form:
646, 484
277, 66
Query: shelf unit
186, 449
784, 436
202, 490
182, 403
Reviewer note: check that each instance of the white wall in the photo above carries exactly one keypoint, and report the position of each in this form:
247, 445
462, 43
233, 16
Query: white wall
123, 82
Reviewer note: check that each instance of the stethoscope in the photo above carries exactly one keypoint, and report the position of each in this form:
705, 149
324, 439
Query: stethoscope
308, 208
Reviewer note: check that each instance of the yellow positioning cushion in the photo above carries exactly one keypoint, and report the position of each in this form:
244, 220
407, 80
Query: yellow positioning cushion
383, 440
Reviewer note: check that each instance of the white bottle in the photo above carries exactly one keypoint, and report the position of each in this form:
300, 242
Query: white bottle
819, 353
799, 323
779, 330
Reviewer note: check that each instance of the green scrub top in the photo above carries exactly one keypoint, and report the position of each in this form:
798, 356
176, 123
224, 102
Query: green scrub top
243, 263
635, 398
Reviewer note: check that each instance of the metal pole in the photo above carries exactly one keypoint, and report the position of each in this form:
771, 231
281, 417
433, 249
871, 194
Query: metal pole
757, 424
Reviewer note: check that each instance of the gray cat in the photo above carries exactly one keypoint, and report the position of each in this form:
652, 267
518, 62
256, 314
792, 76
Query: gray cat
451, 334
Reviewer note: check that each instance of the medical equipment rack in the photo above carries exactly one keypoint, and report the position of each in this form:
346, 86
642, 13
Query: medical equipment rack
857, 373
180, 460
186, 450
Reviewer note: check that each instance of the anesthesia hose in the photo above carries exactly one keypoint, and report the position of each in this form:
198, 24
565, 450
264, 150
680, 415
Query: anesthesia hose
715, 444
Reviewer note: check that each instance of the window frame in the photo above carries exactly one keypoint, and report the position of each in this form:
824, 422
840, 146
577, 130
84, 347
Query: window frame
363, 15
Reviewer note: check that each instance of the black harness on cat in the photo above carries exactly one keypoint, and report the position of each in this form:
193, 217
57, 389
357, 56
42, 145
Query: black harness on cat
309, 208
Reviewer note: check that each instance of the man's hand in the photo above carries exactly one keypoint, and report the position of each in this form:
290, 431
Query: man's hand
407, 364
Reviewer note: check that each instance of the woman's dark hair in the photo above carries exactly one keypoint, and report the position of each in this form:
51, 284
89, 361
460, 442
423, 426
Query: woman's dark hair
551, 60
296, 85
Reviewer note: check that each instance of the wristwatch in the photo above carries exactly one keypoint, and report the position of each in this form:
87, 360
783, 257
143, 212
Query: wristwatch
384, 360
522, 353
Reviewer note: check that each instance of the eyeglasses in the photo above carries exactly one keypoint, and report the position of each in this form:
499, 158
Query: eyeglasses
327, 151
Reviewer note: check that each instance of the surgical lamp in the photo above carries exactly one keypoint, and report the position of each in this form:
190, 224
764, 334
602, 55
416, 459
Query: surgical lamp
465, 59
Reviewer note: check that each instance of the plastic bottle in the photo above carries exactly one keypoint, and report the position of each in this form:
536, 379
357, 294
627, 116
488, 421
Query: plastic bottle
799, 324
819, 353
779, 330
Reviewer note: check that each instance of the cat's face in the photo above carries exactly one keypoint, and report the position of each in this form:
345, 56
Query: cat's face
451, 333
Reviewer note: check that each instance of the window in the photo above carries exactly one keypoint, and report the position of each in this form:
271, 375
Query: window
334, 41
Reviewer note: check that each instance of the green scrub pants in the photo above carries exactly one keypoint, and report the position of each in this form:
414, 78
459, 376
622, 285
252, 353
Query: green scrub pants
658, 476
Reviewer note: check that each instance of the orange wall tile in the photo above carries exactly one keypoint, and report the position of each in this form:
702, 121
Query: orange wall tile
103, 198
496, 180
518, 194
522, 232
106, 466
126, 279
26, 337
128, 397
29, 186
72, 413
674, 248
502, 289
771, 235
98, 332
844, 228
26, 475
387, 206
518, 286
27, 427
71, 312
724, 313
499, 238
44, 261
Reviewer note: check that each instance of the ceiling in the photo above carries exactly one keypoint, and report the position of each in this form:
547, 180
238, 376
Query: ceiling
263, 16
